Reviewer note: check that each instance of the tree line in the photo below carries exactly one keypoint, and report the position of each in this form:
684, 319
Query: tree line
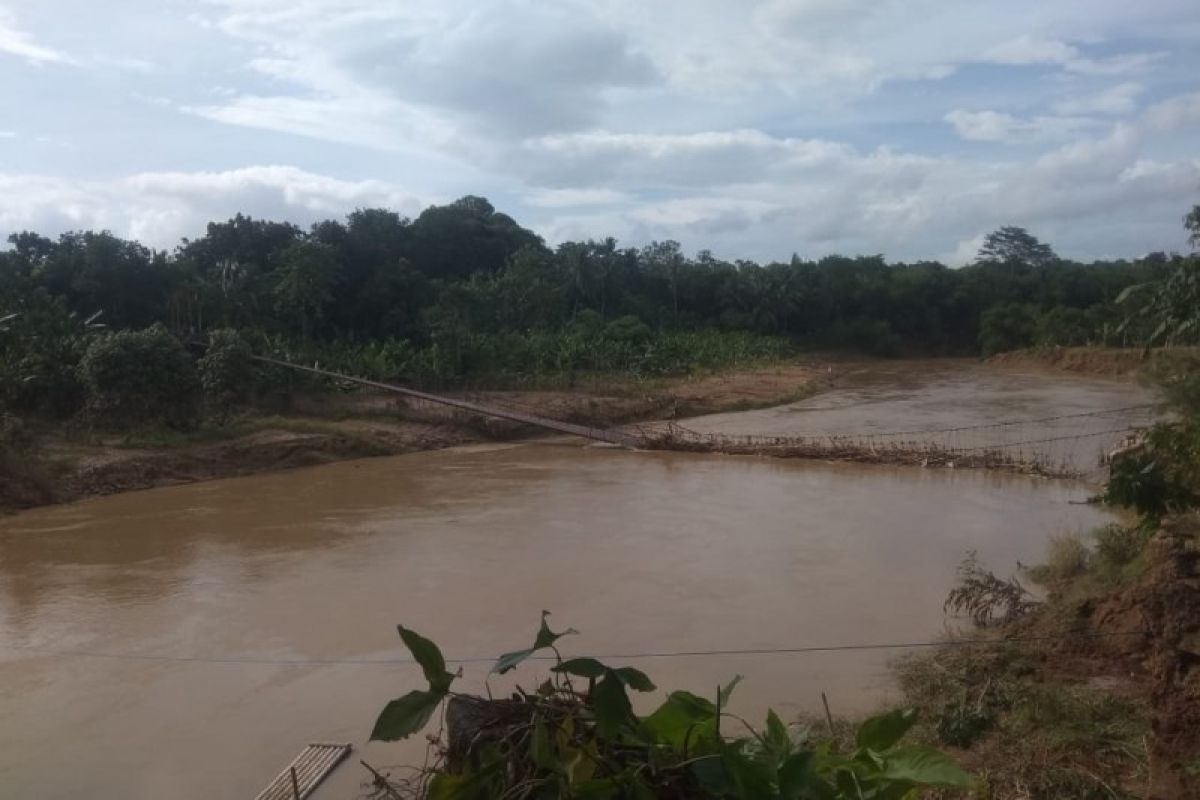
463, 290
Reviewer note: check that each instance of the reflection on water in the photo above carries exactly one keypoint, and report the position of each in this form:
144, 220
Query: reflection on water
641, 551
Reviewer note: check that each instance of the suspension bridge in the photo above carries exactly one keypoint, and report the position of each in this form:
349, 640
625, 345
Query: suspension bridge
1044, 446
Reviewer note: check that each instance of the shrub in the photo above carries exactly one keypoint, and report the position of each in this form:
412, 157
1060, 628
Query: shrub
226, 372
139, 377
41, 343
986, 599
628, 329
1118, 545
1066, 557
578, 736
1006, 327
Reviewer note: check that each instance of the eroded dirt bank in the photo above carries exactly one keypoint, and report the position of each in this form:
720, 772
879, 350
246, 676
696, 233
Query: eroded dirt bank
1114, 362
329, 428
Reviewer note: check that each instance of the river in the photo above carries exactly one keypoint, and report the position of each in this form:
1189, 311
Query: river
156, 644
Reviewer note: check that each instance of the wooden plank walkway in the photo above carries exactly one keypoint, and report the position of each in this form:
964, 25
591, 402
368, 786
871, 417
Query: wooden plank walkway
300, 778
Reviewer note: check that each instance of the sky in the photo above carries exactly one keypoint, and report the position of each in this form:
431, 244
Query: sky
755, 129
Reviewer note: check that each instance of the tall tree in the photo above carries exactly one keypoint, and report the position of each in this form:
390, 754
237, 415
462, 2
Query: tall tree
467, 236
1192, 223
306, 275
1015, 246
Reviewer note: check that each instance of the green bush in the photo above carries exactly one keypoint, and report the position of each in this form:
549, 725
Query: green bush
1007, 327
41, 343
1118, 545
578, 736
134, 378
226, 372
628, 329
1066, 557
873, 337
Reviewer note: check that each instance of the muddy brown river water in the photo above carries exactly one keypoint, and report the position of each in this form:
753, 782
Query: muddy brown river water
187, 642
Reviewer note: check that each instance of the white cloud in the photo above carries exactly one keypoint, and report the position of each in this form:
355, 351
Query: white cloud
17, 42
159, 208
8, 134
1119, 99
701, 158
753, 129
1176, 112
1031, 50
995, 126
574, 198
1026, 50
1091, 197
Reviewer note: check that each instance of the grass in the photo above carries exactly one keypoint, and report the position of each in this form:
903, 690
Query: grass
1067, 558
1020, 712
1073, 570
1030, 733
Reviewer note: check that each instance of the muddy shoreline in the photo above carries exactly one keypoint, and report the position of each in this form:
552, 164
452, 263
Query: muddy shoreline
1113, 362
332, 427
328, 428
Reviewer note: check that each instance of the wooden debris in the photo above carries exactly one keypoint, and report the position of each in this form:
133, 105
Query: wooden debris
300, 778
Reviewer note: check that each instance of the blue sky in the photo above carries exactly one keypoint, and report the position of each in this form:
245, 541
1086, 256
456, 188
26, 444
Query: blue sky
755, 129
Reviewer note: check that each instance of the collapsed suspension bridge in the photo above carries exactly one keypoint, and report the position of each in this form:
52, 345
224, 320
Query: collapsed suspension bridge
1046, 455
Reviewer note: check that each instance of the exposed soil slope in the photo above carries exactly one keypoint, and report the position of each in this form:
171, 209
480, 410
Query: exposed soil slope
1106, 361
337, 427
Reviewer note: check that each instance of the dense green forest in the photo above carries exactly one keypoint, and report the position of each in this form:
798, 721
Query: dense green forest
464, 294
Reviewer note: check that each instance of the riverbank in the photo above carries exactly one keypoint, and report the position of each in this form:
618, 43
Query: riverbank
1115, 362
1095, 691
324, 428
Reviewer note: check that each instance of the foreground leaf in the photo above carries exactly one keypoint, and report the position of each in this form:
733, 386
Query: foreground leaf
884, 731
925, 765
683, 717
635, 679
405, 715
581, 667
591, 668
611, 705
545, 638
429, 657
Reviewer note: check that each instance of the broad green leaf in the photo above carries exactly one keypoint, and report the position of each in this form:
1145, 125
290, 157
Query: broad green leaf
591, 668
712, 776
545, 638
683, 717
583, 667
881, 732
541, 748
926, 766
610, 704
798, 779
735, 774
510, 660
429, 657
776, 736
635, 679
405, 716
